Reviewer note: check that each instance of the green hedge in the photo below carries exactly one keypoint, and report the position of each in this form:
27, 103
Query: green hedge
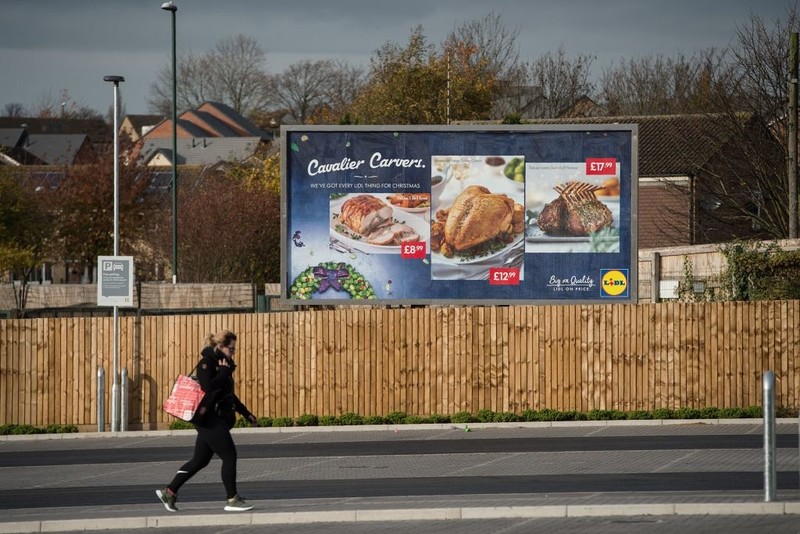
482, 416
13, 430
488, 416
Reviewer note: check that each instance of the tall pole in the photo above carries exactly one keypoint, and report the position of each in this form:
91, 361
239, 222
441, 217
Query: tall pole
115, 422
792, 170
172, 8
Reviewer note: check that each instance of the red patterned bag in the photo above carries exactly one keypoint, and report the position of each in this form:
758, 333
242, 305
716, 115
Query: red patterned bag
185, 398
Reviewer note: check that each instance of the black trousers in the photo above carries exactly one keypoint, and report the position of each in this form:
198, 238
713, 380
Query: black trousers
213, 437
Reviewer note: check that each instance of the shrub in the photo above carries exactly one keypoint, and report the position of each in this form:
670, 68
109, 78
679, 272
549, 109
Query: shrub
349, 418
374, 420
307, 420
327, 420
461, 418
282, 421
439, 419
60, 429
396, 418
265, 421
639, 414
662, 413
546, 414
484, 416
416, 420
179, 424
505, 417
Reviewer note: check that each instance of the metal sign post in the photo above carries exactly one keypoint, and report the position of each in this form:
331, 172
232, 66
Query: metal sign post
115, 288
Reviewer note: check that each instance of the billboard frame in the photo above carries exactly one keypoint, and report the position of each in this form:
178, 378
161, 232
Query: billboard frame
632, 278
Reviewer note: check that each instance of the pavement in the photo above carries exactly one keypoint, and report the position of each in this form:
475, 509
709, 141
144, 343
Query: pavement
580, 483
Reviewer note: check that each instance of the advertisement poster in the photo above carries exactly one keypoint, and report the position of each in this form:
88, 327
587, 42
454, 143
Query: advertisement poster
457, 214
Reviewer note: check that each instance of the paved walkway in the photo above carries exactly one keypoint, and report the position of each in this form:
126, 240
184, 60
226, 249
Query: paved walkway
199, 511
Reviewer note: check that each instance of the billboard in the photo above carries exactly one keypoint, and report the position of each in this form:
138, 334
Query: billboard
459, 214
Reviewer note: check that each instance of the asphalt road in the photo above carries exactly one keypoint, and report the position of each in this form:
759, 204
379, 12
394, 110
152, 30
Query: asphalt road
444, 467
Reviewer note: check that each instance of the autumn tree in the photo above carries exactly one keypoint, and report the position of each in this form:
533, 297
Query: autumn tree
24, 233
228, 231
83, 210
416, 84
233, 73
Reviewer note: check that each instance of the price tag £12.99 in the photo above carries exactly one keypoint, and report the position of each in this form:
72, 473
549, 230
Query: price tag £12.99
504, 276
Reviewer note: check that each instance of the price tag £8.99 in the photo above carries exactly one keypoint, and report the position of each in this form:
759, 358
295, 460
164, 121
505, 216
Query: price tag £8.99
413, 250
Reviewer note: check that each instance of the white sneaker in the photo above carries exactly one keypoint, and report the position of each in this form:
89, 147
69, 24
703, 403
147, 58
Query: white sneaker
237, 504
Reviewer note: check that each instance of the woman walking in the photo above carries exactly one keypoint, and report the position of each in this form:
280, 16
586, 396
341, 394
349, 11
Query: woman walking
214, 418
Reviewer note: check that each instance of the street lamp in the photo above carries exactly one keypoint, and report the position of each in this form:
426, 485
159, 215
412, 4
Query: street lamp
115, 419
172, 8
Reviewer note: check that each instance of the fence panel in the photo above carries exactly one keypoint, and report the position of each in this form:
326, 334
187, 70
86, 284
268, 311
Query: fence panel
417, 360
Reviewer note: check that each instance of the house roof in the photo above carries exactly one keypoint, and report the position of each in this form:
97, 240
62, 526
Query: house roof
55, 149
140, 121
235, 121
200, 151
11, 137
211, 119
96, 129
669, 145
209, 123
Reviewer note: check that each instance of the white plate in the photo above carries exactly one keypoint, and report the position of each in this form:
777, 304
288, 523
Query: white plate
437, 257
535, 235
356, 240
421, 209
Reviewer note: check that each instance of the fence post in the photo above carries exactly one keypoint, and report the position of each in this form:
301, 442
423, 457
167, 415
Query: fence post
770, 485
101, 400
123, 406
655, 277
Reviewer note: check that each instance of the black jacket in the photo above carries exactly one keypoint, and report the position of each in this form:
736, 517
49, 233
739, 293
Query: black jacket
220, 401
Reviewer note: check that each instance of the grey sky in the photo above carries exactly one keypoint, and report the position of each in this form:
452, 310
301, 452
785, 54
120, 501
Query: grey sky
50, 45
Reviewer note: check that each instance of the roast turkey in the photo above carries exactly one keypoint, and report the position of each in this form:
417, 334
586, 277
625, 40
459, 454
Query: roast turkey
476, 216
576, 212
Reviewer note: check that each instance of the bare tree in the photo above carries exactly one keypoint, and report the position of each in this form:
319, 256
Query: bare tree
303, 88
344, 84
659, 84
496, 56
759, 88
232, 73
497, 52
555, 82
14, 109
50, 106
743, 192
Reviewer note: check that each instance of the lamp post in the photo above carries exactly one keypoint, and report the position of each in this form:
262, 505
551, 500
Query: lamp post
115, 422
172, 8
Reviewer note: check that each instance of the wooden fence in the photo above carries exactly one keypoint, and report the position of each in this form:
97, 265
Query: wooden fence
436, 360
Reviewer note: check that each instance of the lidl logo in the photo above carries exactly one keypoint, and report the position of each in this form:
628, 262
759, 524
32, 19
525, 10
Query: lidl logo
613, 282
